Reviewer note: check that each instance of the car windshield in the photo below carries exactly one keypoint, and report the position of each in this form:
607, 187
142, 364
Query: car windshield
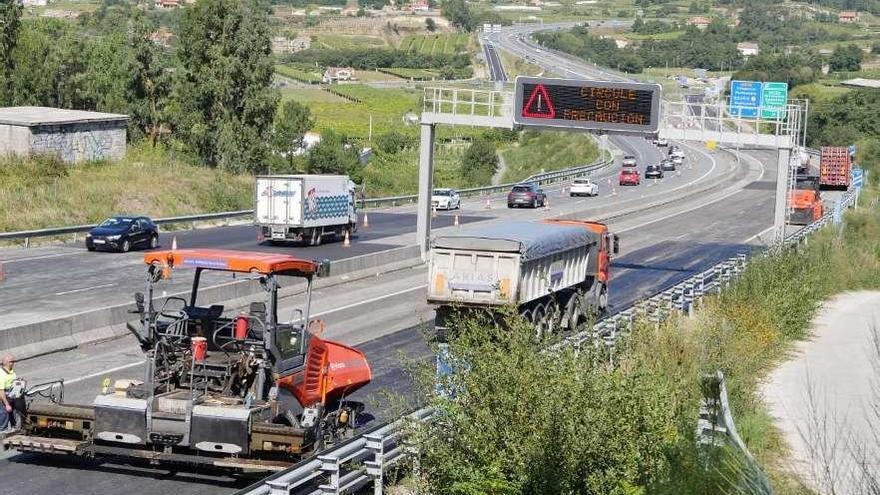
116, 222
521, 189
581, 181
442, 192
628, 172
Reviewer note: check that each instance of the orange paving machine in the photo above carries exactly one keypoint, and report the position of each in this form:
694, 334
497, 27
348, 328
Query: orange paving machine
246, 391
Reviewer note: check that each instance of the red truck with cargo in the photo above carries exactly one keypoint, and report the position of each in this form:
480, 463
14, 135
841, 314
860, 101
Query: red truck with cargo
835, 168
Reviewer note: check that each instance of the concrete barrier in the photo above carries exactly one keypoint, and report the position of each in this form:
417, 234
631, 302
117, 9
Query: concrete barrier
35, 339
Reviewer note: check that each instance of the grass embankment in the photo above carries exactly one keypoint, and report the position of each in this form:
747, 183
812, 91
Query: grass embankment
436, 44
42, 193
528, 422
547, 151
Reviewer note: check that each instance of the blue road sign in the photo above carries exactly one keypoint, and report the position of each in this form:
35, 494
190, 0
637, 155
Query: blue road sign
858, 177
745, 98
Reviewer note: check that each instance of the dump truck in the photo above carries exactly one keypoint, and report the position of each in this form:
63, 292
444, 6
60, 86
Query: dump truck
304, 208
556, 272
835, 166
805, 201
240, 390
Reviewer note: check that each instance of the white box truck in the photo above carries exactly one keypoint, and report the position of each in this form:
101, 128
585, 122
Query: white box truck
304, 208
555, 272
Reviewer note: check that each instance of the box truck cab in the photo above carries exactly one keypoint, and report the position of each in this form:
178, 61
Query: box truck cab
304, 208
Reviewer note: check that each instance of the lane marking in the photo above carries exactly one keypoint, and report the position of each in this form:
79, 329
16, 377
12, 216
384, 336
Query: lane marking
74, 291
105, 372
41, 257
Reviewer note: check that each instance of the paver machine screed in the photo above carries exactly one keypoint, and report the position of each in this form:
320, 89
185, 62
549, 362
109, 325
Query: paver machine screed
245, 392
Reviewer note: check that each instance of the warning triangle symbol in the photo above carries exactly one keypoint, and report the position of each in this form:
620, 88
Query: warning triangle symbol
539, 105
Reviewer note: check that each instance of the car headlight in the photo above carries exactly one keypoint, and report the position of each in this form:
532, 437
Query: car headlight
88, 235
113, 237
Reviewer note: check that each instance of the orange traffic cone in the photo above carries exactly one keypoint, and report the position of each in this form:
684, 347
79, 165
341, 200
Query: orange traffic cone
174, 243
366, 221
347, 241
455, 222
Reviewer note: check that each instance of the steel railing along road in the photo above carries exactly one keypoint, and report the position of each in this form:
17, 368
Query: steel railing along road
353, 465
542, 178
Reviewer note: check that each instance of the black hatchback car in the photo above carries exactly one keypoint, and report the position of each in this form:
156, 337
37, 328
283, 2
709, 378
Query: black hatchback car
653, 172
526, 195
123, 233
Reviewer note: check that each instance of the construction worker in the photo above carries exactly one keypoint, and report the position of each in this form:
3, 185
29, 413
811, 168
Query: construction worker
7, 377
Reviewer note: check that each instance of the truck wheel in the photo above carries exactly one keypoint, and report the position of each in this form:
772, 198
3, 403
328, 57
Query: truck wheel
317, 237
538, 321
602, 300
573, 314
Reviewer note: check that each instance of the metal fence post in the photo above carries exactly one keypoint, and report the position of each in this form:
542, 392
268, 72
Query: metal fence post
330, 466
375, 468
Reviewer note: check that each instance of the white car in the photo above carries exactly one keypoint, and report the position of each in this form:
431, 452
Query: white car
661, 141
583, 187
629, 161
445, 199
678, 160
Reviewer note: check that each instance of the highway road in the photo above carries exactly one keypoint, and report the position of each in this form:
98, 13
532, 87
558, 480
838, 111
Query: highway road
383, 315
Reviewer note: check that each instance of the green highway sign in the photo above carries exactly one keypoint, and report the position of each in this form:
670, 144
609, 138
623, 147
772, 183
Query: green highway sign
774, 97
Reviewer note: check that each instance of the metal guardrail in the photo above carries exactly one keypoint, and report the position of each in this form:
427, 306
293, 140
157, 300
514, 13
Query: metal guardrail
543, 178
353, 465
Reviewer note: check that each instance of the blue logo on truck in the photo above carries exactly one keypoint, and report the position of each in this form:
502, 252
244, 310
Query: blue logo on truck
270, 191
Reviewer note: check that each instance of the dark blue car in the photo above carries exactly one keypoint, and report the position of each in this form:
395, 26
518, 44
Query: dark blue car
123, 233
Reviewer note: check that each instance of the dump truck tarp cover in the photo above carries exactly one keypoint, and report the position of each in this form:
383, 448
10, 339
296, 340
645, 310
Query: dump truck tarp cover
531, 239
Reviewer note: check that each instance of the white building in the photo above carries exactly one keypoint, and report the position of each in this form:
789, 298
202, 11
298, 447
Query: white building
748, 49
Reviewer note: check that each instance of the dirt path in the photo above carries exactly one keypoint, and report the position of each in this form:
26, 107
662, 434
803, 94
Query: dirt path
826, 400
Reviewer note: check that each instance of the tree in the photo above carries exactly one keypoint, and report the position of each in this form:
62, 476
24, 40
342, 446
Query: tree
150, 86
479, 162
392, 142
846, 58
459, 14
334, 155
292, 121
224, 103
430, 25
10, 21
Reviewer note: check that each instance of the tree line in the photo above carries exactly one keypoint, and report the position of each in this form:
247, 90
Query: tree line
211, 96
457, 65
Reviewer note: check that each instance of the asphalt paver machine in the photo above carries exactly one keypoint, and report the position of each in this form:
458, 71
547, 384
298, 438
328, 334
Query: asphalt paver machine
243, 391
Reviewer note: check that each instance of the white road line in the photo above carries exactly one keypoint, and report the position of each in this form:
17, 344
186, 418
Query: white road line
341, 308
105, 372
41, 257
103, 286
371, 300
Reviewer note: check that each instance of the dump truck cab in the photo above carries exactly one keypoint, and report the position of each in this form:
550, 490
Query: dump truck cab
806, 200
237, 389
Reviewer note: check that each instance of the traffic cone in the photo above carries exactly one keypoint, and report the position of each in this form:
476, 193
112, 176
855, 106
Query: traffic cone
347, 241
562, 192
174, 243
455, 223
366, 221
488, 204
546, 203
614, 191
433, 212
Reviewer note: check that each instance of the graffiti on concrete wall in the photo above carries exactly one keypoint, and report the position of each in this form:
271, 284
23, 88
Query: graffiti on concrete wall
77, 143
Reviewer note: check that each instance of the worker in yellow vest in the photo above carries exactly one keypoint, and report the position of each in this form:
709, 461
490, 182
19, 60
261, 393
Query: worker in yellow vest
7, 377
